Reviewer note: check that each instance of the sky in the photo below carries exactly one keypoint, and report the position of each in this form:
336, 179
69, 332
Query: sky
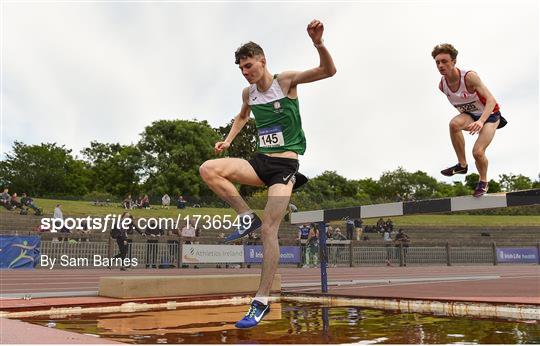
75, 72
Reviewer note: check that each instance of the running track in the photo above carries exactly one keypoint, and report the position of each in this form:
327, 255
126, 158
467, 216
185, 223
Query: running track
496, 284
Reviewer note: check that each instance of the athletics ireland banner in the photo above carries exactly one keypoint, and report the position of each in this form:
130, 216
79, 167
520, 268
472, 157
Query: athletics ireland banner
19, 252
212, 253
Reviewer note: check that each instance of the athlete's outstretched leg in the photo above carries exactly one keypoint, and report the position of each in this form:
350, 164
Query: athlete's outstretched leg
278, 200
276, 207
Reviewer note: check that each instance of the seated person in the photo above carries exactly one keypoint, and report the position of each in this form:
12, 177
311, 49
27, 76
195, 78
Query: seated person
15, 203
153, 229
127, 203
189, 232
165, 201
252, 239
337, 235
145, 202
29, 203
181, 203
6, 199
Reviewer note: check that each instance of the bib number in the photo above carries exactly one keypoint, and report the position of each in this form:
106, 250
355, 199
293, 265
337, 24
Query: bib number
468, 107
271, 137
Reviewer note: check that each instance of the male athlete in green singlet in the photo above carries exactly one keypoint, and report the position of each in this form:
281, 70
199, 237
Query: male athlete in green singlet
274, 102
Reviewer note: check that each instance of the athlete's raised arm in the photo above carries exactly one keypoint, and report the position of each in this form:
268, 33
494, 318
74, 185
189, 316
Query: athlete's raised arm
239, 122
326, 68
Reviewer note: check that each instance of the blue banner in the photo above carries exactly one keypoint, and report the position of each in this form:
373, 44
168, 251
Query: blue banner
517, 255
288, 254
19, 252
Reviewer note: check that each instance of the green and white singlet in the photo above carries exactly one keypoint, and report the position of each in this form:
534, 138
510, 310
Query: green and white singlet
277, 118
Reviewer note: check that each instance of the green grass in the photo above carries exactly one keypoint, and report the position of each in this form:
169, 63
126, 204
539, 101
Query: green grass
83, 208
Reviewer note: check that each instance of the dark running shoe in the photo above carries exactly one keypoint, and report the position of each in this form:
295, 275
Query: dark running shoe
481, 189
245, 228
255, 314
457, 169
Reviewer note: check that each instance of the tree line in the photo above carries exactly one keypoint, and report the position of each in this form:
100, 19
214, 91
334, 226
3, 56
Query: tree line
167, 157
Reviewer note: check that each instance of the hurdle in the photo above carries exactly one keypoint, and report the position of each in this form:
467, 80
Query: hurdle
428, 206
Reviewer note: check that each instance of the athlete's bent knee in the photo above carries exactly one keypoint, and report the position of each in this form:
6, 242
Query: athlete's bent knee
455, 125
479, 153
269, 233
207, 170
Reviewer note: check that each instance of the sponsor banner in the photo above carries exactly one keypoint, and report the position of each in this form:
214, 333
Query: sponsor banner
288, 254
19, 252
517, 255
212, 253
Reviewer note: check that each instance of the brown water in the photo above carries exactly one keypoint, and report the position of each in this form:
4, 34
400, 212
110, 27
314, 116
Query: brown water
296, 323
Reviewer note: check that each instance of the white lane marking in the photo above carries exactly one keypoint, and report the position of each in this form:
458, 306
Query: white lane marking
392, 280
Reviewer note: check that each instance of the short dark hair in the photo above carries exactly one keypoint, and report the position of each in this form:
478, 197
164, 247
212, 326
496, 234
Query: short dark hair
247, 50
445, 48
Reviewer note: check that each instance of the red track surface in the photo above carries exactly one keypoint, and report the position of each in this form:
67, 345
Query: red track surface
496, 284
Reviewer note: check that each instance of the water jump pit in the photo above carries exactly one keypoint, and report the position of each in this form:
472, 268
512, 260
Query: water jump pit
294, 318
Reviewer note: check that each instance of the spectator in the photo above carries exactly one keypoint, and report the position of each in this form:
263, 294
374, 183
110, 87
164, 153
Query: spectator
380, 225
127, 203
15, 203
388, 244
402, 241
6, 199
389, 225
188, 232
165, 201
398, 198
29, 203
58, 220
145, 202
329, 231
58, 212
181, 203
350, 229
291, 209
153, 228
337, 235
198, 233
303, 233
312, 247
84, 230
120, 233
358, 228
252, 239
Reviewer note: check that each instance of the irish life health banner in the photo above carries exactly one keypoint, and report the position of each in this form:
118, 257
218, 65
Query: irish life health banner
517, 255
19, 252
212, 253
287, 254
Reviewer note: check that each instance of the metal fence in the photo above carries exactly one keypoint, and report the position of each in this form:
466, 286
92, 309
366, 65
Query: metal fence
93, 254
153, 254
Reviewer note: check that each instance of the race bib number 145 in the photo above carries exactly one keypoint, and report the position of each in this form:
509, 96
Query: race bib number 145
271, 137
